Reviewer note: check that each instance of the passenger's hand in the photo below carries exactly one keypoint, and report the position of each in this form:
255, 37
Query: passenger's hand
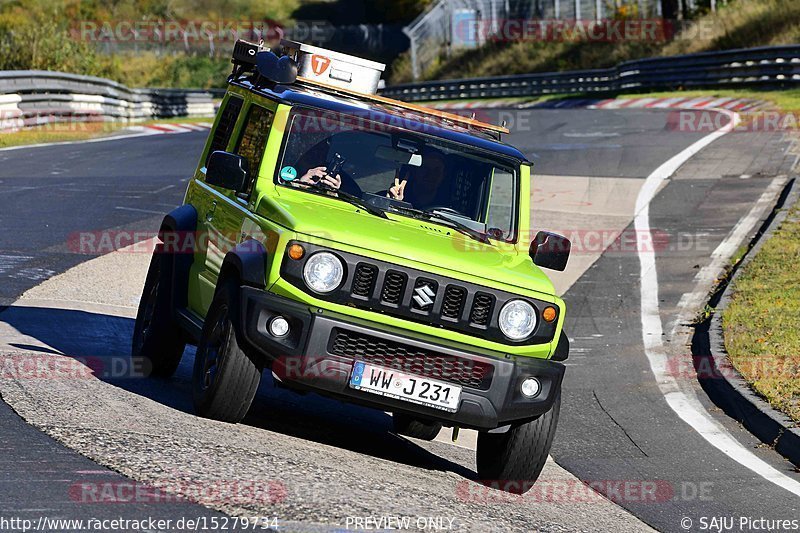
319, 175
398, 191
334, 182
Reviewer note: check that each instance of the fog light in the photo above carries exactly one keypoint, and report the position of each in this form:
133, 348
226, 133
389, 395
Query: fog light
531, 387
278, 326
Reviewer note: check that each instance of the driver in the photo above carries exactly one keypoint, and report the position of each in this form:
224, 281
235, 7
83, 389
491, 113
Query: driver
426, 181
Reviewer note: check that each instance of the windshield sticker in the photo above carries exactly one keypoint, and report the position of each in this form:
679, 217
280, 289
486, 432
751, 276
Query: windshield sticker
288, 173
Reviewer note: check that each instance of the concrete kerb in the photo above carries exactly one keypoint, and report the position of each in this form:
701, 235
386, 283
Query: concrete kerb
739, 399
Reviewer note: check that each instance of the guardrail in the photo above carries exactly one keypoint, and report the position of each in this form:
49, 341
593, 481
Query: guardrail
34, 97
766, 67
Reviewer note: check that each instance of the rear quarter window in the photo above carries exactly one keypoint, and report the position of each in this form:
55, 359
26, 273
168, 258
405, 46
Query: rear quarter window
227, 121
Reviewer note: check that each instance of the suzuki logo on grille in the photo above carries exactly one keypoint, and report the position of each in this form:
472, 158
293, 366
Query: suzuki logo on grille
424, 296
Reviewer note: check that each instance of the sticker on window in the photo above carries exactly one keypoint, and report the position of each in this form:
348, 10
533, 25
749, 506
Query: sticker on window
288, 173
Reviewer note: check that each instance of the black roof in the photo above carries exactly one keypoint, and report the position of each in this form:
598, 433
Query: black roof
430, 124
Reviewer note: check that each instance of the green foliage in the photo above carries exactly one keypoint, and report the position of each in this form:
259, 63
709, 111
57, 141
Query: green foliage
31, 38
345, 12
737, 24
44, 35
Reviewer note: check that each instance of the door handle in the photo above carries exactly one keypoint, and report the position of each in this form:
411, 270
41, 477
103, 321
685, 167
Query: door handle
210, 212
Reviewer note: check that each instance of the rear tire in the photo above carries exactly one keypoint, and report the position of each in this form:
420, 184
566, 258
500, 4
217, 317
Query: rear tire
156, 337
225, 379
515, 459
412, 427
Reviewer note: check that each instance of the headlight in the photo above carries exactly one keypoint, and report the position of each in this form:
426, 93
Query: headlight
323, 272
517, 319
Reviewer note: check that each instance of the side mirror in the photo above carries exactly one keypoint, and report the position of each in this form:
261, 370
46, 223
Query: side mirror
549, 250
226, 170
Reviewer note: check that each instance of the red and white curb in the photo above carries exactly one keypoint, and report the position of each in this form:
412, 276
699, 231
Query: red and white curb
738, 105
172, 128
703, 102
128, 133
475, 104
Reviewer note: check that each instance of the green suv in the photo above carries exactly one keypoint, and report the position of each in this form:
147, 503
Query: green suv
365, 249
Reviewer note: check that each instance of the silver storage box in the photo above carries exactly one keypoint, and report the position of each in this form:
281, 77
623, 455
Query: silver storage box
334, 68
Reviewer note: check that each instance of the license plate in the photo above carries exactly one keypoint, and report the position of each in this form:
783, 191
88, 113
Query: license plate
393, 384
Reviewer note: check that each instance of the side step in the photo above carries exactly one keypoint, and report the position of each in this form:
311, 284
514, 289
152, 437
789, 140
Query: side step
190, 323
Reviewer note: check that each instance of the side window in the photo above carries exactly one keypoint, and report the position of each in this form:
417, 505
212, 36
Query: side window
227, 121
501, 203
253, 141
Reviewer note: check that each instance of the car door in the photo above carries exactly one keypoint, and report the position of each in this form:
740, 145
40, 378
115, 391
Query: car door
228, 219
205, 200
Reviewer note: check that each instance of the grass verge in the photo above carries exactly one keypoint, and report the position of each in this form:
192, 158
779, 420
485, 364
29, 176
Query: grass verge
762, 322
80, 131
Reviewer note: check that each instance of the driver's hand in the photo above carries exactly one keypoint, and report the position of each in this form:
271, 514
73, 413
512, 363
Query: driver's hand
319, 175
398, 191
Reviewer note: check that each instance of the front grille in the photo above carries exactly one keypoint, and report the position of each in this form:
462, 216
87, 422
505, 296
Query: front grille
453, 303
420, 296
481, 309
411, 360
364, 280
393, 287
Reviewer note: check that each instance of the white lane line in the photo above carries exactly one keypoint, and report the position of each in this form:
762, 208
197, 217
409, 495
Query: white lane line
164, 188
684, 401
139, 210
691, 301
95, 140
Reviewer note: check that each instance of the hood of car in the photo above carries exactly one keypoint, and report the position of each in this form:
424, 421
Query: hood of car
435, 246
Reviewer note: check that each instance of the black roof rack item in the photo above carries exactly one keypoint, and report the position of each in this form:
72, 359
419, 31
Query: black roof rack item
251, 57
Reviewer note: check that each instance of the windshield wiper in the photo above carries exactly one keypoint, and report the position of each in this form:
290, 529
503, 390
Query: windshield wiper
350, 198
441, 217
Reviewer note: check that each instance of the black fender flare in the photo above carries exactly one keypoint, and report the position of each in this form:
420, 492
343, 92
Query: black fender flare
178, 233
247, 261
561, 352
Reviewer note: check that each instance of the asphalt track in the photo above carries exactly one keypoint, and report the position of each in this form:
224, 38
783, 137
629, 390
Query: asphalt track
615, 424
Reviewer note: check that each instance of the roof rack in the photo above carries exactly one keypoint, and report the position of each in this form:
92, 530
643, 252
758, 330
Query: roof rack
255, 58
452, 117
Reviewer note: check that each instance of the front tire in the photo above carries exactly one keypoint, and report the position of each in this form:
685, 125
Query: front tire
413, 427
515, 459
225, 379
156, 337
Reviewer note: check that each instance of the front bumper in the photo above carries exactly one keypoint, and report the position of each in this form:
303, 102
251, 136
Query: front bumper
321, 348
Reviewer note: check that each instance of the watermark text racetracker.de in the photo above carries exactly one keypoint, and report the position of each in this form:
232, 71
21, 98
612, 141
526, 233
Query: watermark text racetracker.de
67, 368
621, 491
190, 31
208, 492
614, 241
468, 29
583, 241
766, 366
709, 121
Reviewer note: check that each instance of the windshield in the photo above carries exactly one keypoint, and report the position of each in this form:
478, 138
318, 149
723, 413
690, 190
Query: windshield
405, 170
